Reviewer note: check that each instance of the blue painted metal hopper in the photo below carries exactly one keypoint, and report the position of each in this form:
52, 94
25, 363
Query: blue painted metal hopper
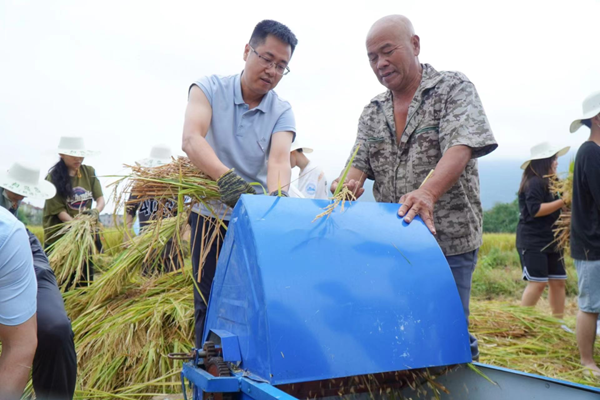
360, 292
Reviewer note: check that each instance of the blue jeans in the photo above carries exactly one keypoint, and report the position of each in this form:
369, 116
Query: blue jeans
462, 267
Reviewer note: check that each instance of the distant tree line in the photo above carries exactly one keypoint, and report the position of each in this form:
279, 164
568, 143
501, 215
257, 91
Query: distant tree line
502, 218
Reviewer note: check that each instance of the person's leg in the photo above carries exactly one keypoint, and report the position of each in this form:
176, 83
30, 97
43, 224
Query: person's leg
462, 267
203, 239
535, 271
532, 293
557, 277
54, 369
588, 276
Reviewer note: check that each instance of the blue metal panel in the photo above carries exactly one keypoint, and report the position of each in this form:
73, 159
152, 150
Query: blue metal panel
208, 383
230, 346
263, 391
360, 292
463, 383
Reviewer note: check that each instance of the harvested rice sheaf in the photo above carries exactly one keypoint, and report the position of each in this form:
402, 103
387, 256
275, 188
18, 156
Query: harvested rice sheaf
562, 227
73, 252
523, 339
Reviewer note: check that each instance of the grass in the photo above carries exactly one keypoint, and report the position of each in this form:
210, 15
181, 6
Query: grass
498, 272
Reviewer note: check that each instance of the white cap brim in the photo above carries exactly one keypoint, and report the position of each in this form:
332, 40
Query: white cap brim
559, 152
78, 153
42, 190
153, 162
575, 125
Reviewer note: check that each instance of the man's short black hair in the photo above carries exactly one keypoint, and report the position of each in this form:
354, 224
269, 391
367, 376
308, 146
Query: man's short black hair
277, 29
587, 122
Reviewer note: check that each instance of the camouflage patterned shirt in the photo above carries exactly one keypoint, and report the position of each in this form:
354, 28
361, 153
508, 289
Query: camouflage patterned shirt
445, 111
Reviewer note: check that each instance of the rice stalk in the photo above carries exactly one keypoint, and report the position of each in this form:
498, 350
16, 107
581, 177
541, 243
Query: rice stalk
73, 251
562, 226
524, 339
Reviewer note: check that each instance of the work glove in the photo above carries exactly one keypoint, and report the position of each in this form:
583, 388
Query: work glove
232, 186
93, 212
283, 193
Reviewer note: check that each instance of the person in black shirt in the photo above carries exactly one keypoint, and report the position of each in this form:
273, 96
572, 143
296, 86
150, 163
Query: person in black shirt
585, 231
541, 261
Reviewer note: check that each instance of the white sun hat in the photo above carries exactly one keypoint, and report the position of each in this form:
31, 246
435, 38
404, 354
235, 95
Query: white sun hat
74, 146
591, 108
297, 145
159, 155
24, 180
545, 150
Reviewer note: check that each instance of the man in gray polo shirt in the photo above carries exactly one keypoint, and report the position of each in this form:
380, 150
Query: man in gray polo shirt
238, 131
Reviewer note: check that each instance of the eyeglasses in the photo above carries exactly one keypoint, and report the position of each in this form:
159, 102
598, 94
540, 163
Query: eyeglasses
267, 63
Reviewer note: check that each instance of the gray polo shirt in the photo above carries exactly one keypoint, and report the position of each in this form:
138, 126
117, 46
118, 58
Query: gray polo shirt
241, 137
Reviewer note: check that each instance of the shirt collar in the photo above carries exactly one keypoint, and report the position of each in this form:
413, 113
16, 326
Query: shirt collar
238, 99
429, 79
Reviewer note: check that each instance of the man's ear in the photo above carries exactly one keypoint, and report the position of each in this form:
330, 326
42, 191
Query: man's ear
246, 52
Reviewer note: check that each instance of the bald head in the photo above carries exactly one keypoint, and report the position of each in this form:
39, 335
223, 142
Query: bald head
397, 25
393, 50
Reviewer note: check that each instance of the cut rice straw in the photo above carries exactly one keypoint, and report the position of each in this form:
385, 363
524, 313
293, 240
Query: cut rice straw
73, 251
342, 193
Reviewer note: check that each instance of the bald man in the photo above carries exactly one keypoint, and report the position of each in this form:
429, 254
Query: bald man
426, 120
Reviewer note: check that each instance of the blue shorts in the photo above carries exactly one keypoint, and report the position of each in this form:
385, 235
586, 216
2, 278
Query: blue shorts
588, 279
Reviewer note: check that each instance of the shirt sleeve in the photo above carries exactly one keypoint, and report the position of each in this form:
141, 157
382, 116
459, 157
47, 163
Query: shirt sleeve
96, 186
207, 85
322, 187
362, 161
132, 205
464, 122
535, 192
18, 286
55, 205
286, 123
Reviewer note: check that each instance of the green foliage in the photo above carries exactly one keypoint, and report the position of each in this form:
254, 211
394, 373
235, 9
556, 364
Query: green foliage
498, 272
38, 231
22, 216
502, 218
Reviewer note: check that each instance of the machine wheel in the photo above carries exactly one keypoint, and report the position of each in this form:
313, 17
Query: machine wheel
217, 367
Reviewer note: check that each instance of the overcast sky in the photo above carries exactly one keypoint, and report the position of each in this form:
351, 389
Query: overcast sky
117, 72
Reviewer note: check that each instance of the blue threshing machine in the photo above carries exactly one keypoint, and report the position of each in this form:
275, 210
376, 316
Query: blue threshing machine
356, 304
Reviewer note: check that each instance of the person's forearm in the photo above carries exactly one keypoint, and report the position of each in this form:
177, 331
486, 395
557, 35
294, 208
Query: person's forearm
448, 171
203, 156
549, 208
278, 175
64, 216
100, 204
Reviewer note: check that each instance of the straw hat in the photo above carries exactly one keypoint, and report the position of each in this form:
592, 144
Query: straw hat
545, 150
159, 155
296, 145
591, 108
74, 146
24, 180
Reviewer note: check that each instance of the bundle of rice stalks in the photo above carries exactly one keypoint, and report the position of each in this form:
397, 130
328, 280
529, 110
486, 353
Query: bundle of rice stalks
71, 255
126, 269
522, 338
179, 180
127, 322
562, 230
123, 342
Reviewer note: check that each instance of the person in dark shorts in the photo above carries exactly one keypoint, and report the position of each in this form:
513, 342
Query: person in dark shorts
541, 261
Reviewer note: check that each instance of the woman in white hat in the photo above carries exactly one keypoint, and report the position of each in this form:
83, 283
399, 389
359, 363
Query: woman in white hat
541, 261
77, 186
